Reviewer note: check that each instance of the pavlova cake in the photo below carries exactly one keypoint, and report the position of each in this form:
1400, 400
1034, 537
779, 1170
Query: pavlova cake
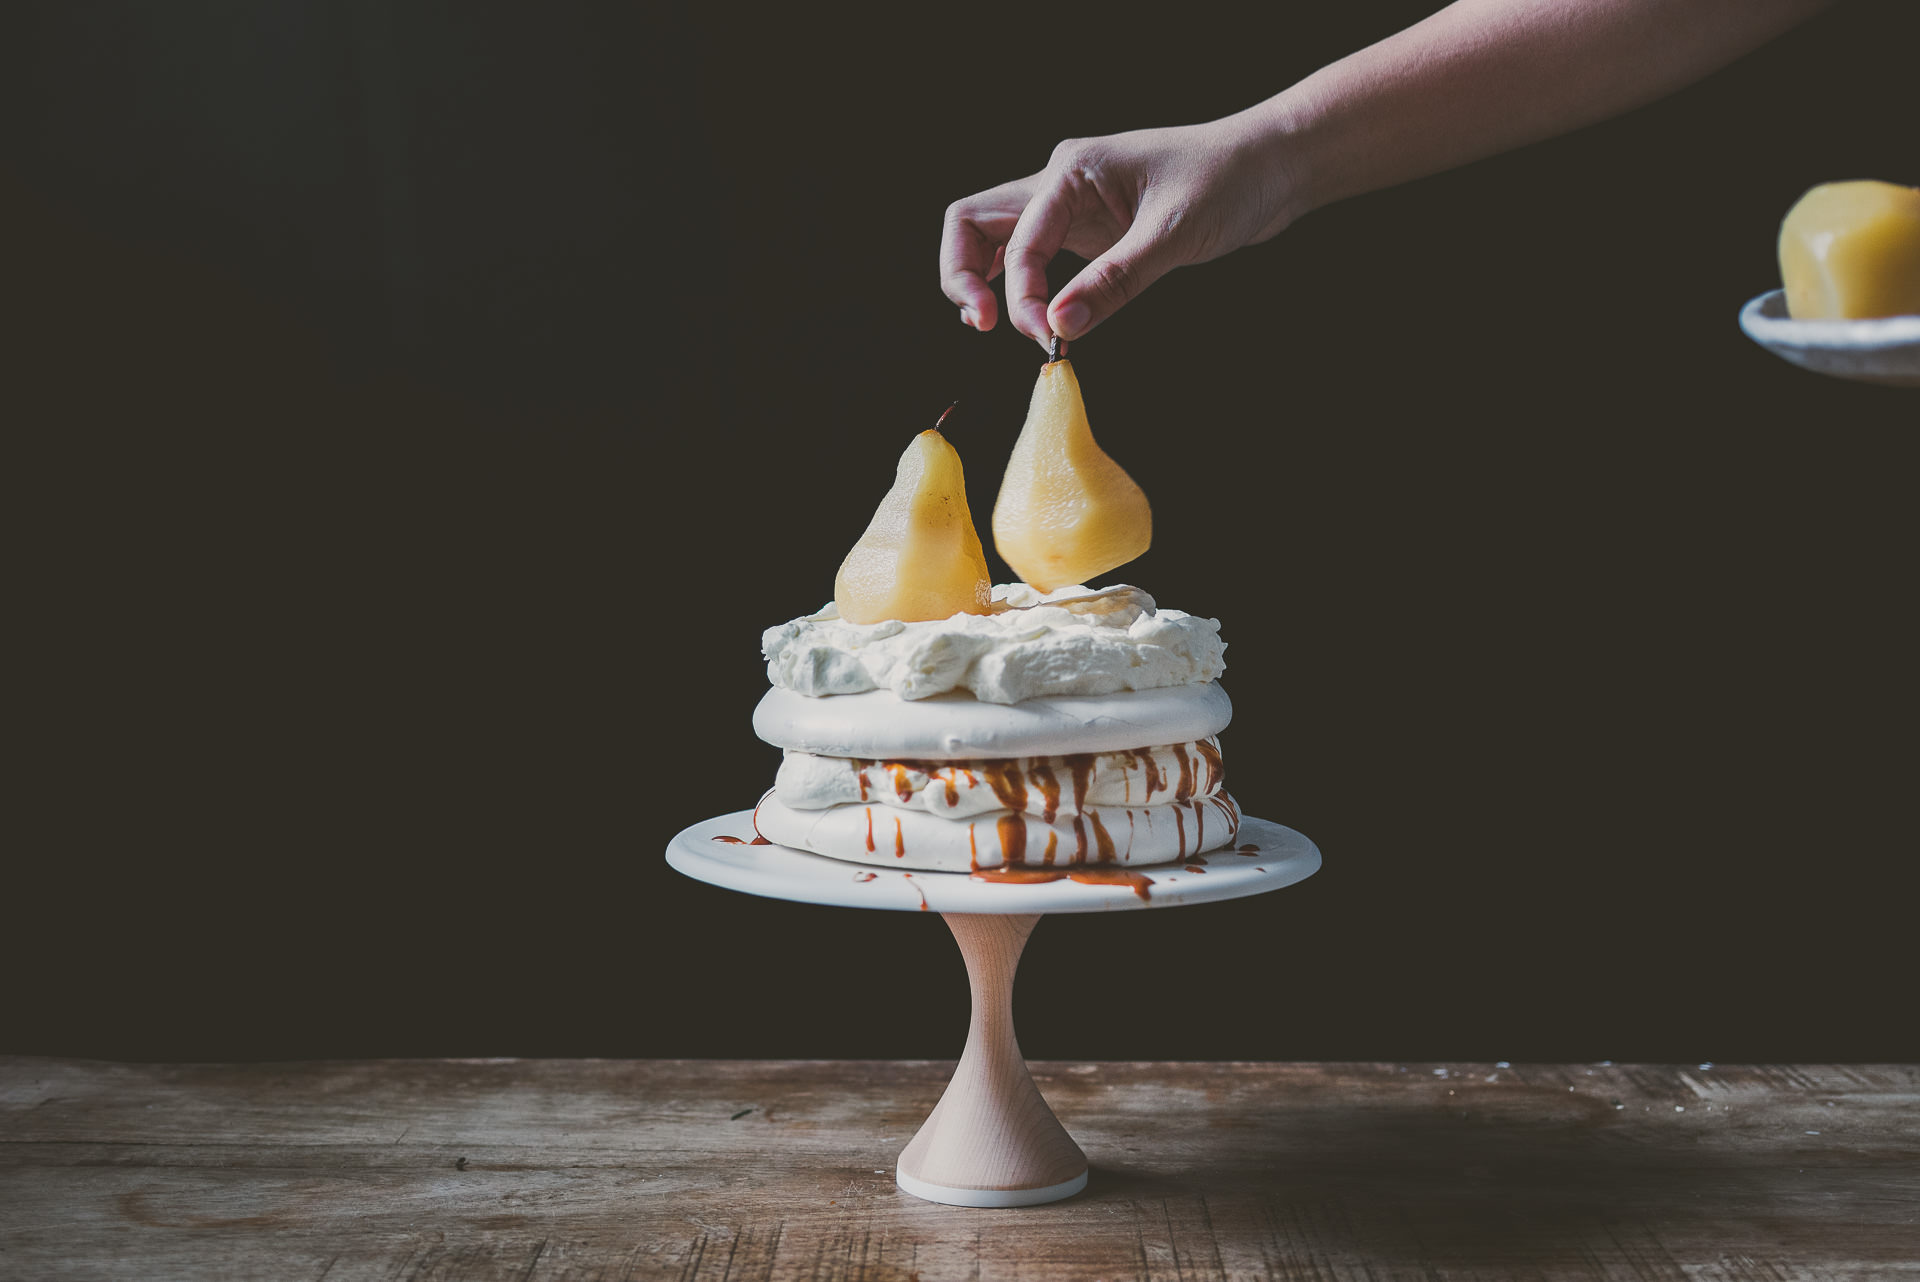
933, 721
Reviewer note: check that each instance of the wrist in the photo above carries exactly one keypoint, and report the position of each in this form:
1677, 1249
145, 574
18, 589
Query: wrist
1274, 145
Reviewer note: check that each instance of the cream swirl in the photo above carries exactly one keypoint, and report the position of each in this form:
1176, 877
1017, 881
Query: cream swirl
1075, 641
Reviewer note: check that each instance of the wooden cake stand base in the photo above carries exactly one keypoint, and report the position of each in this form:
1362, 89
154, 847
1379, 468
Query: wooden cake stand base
991, 1140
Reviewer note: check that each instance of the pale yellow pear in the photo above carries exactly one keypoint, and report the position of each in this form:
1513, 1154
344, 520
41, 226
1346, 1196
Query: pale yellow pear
920, 557
1066, 511
1851, 251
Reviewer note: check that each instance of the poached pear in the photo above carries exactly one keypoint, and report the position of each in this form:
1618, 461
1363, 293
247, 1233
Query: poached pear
920, 557
1066, 511
1851, 251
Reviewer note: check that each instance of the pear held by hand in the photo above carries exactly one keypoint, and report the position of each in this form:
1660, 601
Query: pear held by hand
920, 557
1066, 511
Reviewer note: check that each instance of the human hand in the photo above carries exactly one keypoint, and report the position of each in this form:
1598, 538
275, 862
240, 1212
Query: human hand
1136, 205
1475, 78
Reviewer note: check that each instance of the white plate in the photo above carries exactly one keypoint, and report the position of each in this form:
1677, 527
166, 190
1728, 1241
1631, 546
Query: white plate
1886, 350
1282, 857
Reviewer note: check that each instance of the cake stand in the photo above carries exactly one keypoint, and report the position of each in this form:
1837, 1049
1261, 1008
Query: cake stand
991, 1140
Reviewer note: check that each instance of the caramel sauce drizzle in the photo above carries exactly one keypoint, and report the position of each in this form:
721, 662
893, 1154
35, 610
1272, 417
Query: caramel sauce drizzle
1019, 875
742, 841
1248, 849
1049, 786
759, 838
1230, 812
1013, 839
1156, 782
1011, 789
1184, 790
1098, 876
916, 887
1081, 763
1209, 751
902, 772
1138, 882
866, 876
1007, 783
1100, 836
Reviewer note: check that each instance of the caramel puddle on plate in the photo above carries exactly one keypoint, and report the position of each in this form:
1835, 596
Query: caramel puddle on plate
1086, 875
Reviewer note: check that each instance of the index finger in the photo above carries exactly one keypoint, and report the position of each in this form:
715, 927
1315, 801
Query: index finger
971, 240
1040, 234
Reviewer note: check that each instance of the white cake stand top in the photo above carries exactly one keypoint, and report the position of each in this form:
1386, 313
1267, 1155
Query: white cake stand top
1277, 857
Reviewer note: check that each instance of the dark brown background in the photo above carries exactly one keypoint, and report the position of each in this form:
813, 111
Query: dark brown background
423, 411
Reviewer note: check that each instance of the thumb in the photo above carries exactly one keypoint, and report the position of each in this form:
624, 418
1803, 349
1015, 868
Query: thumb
1114, 279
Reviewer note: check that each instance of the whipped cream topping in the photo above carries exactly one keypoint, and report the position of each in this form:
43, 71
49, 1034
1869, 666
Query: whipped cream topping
1044, 786
1073, 641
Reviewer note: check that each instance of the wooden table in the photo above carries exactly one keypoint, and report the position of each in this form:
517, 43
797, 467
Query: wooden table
529, 1169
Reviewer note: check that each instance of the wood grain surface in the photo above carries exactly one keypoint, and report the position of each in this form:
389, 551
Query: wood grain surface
523, 1169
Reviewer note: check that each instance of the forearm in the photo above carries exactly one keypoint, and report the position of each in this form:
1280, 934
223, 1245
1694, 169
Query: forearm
1482, 76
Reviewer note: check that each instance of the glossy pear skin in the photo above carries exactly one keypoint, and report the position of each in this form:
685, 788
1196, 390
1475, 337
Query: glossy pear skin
920, 557
1066, 511
1851, 251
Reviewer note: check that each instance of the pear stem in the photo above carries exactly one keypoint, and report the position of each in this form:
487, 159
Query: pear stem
943, 417
1057, 349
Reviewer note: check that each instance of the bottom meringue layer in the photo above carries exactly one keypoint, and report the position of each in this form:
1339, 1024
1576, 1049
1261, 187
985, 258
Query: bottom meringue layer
1044, 786
900, 838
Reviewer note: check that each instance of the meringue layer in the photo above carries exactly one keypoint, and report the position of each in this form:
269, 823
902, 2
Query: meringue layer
897, 837
1044, 786
955, 727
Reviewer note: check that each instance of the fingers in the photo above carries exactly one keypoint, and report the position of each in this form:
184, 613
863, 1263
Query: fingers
1142, 255
1039, 235
973, 242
